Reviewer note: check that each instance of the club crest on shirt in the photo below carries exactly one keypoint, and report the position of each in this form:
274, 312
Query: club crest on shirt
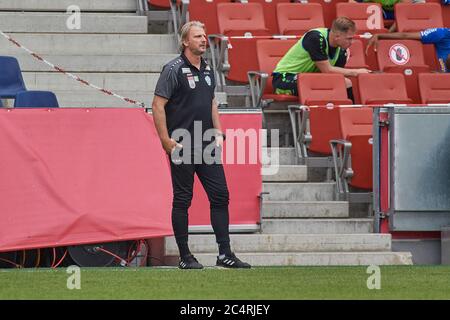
191, 81
208, 80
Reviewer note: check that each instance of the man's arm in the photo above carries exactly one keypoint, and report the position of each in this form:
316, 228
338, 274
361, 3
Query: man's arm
394, 35
325, 67
216, 122
159, 117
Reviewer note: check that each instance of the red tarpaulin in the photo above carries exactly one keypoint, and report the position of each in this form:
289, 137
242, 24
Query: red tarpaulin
78, 176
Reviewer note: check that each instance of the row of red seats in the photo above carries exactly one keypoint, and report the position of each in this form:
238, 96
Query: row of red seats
269, 52
235, 19
374, 88
205, 11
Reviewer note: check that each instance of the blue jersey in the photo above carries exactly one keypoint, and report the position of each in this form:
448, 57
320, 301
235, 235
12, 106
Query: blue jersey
440, 37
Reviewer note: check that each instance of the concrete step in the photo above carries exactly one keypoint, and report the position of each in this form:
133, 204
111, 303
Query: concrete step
144, 82
56, 22
90, 44
317, 191
288, 173
286, 156
98, 63
277, 243
303, 226
62, 5
310, 259
305, 209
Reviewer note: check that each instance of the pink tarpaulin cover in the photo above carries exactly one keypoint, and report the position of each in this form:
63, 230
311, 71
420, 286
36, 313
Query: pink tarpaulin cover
76, 176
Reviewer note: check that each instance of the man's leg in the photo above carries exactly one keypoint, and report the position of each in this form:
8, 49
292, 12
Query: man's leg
182, 184
214, 182
349, 86
285, 83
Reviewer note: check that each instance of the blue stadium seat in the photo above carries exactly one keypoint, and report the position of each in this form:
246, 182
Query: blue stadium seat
36, 99
11, 81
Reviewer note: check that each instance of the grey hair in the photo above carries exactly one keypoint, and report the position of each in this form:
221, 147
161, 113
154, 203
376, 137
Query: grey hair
184, 32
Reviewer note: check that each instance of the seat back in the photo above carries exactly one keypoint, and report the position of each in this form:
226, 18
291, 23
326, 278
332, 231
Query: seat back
269, 53
324, 125
434, 87
356, 57
403, 56
322, 89
11, 81
329, 9
417, 17
382, 88
239, 19
356, 126
206, 12
298, 18
368, 17
36, 99
270, 13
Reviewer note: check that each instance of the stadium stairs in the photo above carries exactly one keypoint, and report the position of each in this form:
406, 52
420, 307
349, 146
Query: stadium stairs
113, 49
301, 224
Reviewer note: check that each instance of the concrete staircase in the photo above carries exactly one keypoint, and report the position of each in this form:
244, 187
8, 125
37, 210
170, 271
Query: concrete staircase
301, 225
112, 50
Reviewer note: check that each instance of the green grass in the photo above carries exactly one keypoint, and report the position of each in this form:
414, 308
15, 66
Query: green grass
397, 282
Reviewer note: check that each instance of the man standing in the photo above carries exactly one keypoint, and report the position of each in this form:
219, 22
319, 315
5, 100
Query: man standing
440, 37
319, 50
184, 100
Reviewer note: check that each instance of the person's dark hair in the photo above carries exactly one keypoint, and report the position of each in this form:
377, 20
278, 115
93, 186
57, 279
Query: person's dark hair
343, 24
448, 62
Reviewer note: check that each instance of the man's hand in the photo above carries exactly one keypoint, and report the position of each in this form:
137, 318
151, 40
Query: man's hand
372, 42
361, 71
219, 140
169, 145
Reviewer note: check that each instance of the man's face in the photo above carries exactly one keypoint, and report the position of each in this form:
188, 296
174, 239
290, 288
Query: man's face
344, 39
196, 41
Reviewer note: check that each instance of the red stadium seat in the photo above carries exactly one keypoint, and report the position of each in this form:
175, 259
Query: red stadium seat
382, 88
416, 17
238, 19
366, 20
164, 4
406, 57
298, 18
206, 12
269, 52
356, 59
324, 125
356, 126
434, 87
329, 9
270, 13
322, 89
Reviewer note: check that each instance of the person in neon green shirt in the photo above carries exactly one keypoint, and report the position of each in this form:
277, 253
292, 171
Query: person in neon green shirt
319, 50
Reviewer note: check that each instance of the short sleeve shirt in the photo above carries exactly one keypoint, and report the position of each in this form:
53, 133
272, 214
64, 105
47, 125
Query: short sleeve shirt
315, 43
440, 37
189, 92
